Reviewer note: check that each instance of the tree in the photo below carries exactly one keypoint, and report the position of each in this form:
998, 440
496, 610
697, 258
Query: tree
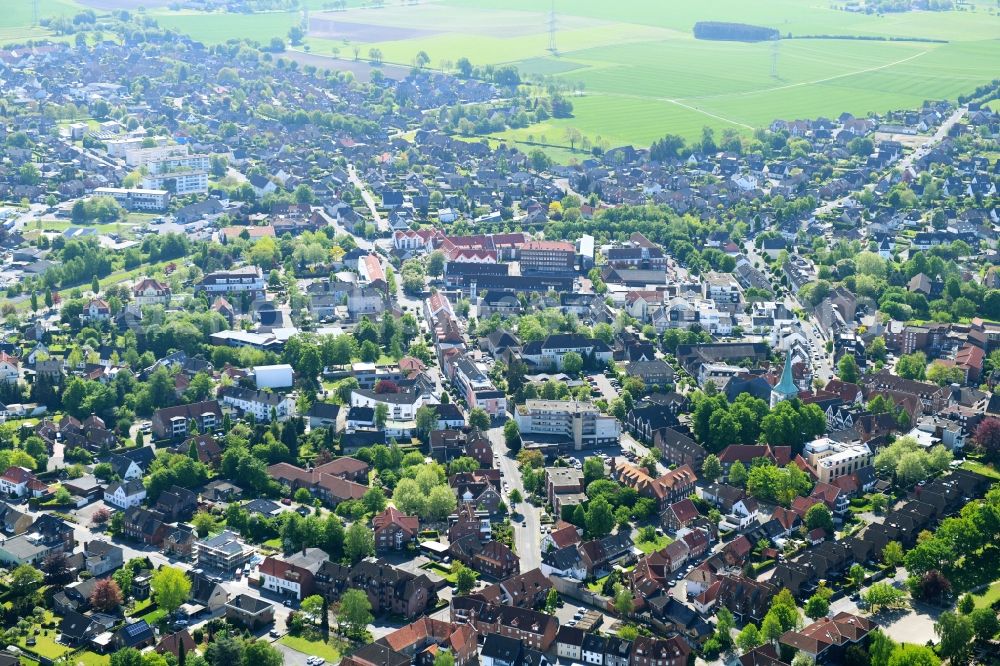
359, 542
912, 366
572, 363
987, 436
124, 578
623, 600
312, 606
126, 657
435, 263
711, 469
444, 658
876, 349
478, 418
374, 500
818, 516
24, 583
515, 497
847, 369
880, 648
908, 654
724, 627
303, 496
261, 653
984, 623
933, 585
106, 596
324, 619
770, 629
882, 595
381, 414
224, 649
441, 502
749, 638
203, 523
737, 474
465, 578
892, 554
295, 35
817, 606
56, 568
593, 469
355, 612
600, 518
784, 608
956, 632
512, 436
552, 601
171, 588
426, 419
942, 374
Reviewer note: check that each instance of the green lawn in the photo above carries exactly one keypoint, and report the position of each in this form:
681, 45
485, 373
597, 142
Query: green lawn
981, 468
990, 596
597, 586
45, 646
662, 541
316, 648
440, 570
89, 658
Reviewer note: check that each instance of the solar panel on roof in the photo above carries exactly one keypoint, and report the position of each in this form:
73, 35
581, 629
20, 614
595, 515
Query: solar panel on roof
136, 628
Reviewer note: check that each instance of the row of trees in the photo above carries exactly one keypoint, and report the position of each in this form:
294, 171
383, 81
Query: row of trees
717, 423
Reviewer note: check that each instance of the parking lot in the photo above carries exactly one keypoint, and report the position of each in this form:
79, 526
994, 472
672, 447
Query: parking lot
605, 386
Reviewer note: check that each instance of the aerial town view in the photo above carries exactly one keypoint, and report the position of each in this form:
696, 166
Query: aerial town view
499, 333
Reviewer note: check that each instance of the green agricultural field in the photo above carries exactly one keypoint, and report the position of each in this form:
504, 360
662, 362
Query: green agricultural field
18, 13
215, 28
641, 72
644, 75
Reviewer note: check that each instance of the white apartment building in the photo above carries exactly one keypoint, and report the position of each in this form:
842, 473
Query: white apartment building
832, 460
259, 403
175, 163
721, 287
248, 278
581, 423
401, 406
120, 147
178, 182
142, 157
136, 199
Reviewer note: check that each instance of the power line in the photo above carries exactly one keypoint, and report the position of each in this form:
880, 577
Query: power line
552, 30
774, 59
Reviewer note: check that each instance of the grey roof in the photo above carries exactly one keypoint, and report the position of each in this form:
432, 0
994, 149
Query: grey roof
131, 487
226, 541
21, 548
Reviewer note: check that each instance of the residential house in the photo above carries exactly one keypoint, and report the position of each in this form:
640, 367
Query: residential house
172, 422
263, 405
125, 494
250, 612
394, 529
